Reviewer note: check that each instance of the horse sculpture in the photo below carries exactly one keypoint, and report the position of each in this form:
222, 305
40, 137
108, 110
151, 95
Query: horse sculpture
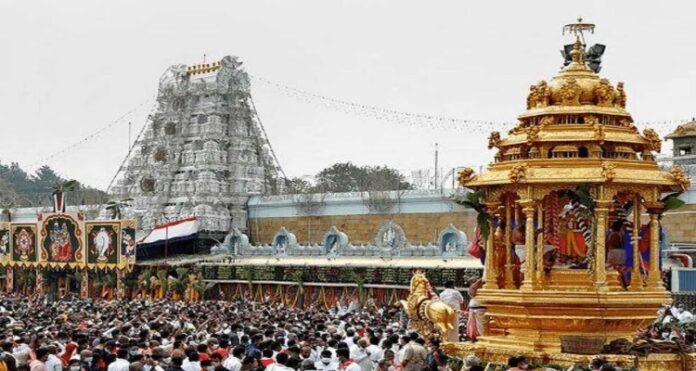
426, 313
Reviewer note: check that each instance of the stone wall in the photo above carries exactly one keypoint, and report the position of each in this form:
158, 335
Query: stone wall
419, 227
421, 214
681, 224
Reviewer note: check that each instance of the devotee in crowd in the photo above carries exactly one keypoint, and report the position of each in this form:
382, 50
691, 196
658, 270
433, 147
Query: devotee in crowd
454, 299
163, 335
475, 325
517, 363
415, 355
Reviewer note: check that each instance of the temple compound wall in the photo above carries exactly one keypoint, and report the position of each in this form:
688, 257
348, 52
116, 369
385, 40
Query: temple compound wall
681, 224
421, 215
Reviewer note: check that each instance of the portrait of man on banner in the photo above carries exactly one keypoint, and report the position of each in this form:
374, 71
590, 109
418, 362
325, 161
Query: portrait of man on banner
103, 241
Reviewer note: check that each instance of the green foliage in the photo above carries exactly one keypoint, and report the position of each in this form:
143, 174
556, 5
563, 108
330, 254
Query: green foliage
347, 177
130, 281
298, 185
144, 279
164, 282
472, 200
104, 279
62, 186
359, 280
584, 197
298, 277
247, 272
116, 206
672, 201
201, 287
182, 272
35, 190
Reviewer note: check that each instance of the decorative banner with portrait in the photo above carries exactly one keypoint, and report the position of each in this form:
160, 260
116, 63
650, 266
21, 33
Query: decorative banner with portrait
128, 242
23, 243
4, 243
61, 240
103, 242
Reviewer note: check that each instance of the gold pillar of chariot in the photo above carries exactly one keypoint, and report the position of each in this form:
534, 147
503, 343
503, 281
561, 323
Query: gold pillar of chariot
574, 199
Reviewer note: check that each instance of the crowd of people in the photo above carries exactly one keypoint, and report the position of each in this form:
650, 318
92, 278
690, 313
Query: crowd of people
144, 335
164, 335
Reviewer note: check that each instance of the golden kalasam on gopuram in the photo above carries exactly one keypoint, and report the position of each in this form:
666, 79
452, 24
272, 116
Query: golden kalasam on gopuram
571, 208
67, 240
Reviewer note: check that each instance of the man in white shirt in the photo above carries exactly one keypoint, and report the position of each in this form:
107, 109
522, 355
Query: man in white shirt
454, 299
361, 356
234, 361
191, 363
326, 362
349, 338
121, 363
375, 351
22, 352
53, 363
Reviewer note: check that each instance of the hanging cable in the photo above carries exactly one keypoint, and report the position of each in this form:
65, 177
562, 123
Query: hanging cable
89, 137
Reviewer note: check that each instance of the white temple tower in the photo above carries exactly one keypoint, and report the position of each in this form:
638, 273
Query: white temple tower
203, 153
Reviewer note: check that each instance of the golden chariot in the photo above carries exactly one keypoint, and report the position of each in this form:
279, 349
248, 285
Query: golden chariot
573, 171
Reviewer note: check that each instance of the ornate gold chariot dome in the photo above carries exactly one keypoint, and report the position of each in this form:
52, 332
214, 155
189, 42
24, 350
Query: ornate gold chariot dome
575, 142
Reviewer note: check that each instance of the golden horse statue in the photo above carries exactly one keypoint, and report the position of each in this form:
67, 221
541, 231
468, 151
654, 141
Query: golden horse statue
427, 315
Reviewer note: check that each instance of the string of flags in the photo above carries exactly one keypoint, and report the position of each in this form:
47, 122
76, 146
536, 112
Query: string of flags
386, 114
391, 116
132, 146
121, 119
424, 120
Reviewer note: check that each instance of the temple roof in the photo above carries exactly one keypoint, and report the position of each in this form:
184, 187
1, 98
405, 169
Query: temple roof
576, 130
684, 130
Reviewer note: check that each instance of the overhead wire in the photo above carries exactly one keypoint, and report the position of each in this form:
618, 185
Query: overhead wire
90, 136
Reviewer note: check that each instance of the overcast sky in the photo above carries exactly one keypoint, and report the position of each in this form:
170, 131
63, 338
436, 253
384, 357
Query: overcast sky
69, 68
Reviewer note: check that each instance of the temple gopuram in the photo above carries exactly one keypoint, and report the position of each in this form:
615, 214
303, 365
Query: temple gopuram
570, 227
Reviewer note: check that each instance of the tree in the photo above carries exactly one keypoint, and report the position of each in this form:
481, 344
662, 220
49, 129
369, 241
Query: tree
298, 185
347, 177
45, 177
34, 190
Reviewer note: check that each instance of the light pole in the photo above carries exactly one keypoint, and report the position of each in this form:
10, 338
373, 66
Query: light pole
166, 237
